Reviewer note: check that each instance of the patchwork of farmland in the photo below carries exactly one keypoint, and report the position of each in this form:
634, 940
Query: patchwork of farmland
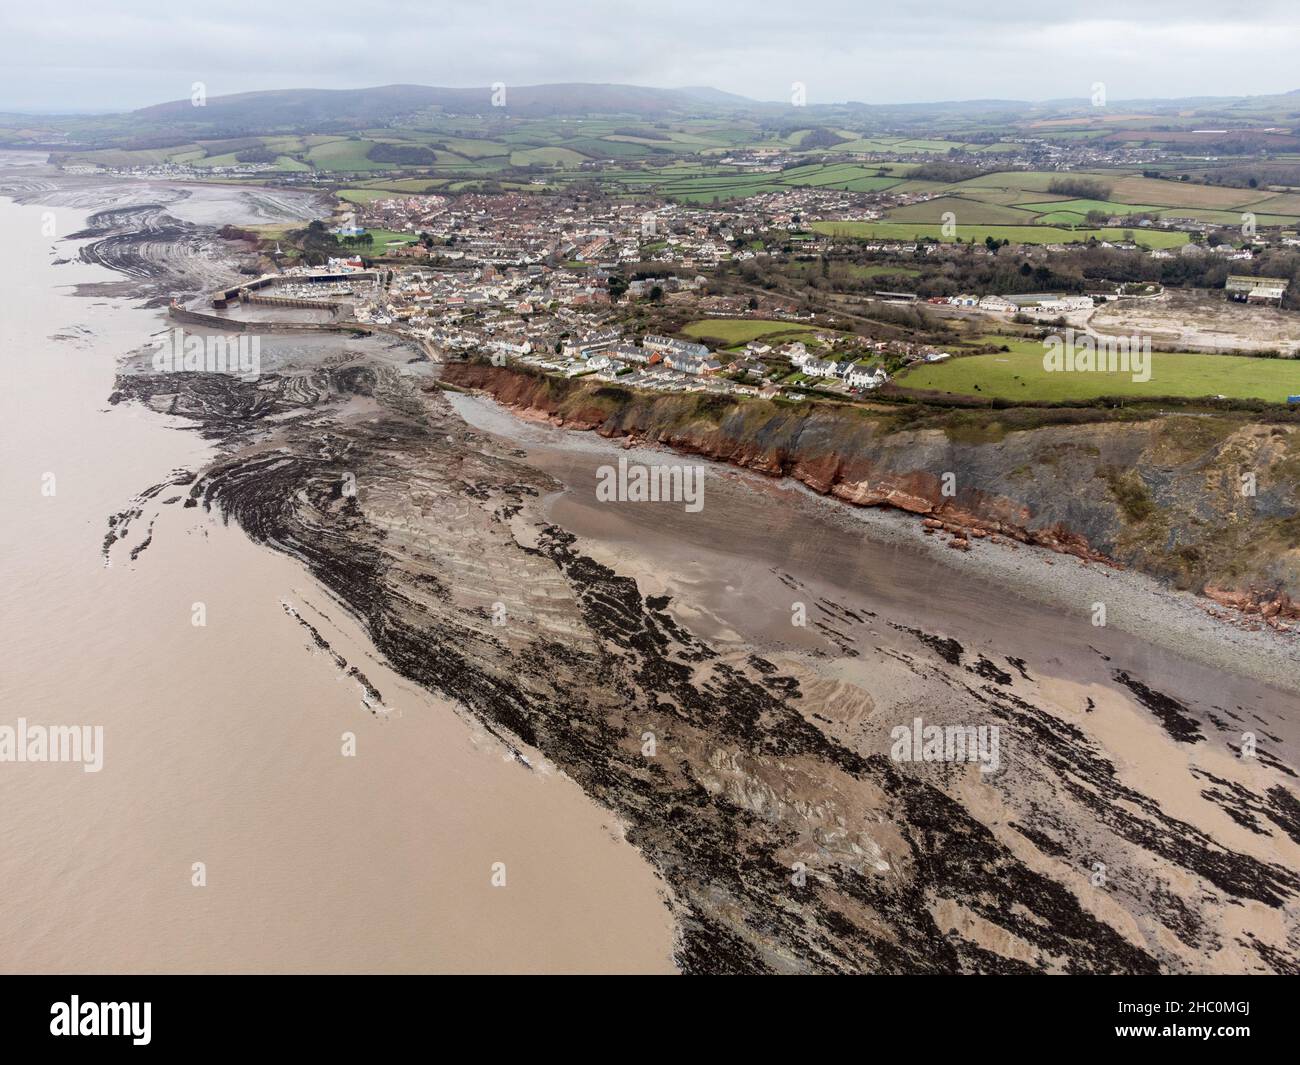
688, 160
1023, 198
459, 141
1075, 212
1021, 234
708, 184
966, 211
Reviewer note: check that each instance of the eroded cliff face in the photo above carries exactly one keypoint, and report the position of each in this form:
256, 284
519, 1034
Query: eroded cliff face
1209, 503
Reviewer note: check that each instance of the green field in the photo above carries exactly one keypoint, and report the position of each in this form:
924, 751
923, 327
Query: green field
1231, 218
1016, 234
705, 182
967, 212
1029, 180
226, 159
546, 157
362, 196
345, 155
402, 185
474, 148
1003, 198
383, 237
1074, 212
1019, 374
742, 330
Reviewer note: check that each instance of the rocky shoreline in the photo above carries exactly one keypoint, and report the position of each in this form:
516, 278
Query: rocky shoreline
748, 789
858, 470
755, 774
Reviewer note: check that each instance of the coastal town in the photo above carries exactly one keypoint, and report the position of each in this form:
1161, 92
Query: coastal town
537, 281
580, 285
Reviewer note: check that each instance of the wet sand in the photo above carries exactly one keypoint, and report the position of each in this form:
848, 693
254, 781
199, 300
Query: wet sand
872, 584
753, 528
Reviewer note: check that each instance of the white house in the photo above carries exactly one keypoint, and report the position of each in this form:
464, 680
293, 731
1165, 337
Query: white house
860, 375
507, 347
797, 353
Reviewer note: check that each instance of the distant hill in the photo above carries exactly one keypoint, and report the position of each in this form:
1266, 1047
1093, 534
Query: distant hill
342, 110
261, 112
335, 111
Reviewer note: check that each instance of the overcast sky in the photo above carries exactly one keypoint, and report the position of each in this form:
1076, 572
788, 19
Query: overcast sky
75, 55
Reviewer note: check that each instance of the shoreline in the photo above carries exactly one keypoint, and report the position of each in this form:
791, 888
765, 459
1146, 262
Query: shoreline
771, 741
1180, 621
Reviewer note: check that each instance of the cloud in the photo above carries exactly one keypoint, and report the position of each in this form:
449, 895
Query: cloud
84, 54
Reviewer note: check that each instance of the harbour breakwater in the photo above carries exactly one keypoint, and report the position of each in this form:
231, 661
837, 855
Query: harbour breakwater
188, 316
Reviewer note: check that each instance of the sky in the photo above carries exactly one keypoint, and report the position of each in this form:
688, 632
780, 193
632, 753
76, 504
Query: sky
92, 56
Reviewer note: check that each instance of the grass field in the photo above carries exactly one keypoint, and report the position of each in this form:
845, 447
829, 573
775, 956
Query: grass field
402, 185
742, 330
546, 157
225, 159
1029, 180
1231, 218
1028, 234
474, 148
1180, 194
363, 196
1018, 197
345, 155
1019, 374
1074, 212
704, 182
966, 211
383, 237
